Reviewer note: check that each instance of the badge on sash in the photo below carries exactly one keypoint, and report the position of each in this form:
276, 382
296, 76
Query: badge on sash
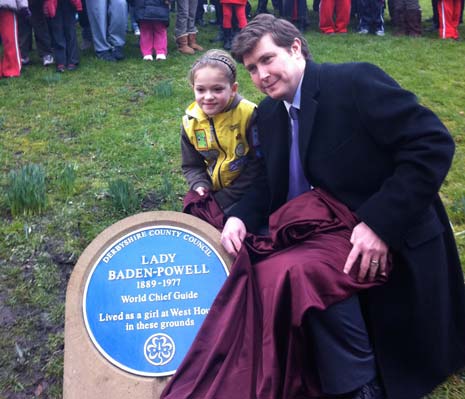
201, 138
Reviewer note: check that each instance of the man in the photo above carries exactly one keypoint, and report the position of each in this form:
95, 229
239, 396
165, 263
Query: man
108, 20
370, 144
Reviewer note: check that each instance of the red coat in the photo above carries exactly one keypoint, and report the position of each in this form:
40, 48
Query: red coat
50, 7
252, 344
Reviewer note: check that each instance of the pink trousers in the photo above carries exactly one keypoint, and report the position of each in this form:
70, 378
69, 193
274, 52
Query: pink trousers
10, 62
153, 37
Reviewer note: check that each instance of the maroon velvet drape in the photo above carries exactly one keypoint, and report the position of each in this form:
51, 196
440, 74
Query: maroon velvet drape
252, 344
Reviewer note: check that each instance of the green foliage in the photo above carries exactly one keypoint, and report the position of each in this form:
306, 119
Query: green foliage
458, 209
164, 88
26, 190
123, 196
67, 179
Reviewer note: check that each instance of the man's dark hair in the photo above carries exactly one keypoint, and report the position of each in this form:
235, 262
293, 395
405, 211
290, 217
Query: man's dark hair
281, 31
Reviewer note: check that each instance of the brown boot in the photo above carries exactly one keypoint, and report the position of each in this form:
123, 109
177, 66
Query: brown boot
413, 22
192, 42
183, 47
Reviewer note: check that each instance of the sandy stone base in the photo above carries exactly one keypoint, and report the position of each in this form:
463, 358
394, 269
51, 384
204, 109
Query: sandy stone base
87, 374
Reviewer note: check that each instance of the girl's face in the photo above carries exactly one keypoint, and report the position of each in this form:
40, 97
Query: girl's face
213, 90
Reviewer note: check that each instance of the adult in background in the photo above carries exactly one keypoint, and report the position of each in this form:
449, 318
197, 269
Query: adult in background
108, 20
35, 25
406, 17
185, 30
371, 145
10, 60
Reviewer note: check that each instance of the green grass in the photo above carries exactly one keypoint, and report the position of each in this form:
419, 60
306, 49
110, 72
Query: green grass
120, 122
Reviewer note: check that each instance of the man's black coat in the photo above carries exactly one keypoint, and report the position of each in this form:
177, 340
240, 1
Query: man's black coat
372, 146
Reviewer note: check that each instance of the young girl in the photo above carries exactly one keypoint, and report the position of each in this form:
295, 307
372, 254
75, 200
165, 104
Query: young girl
219, 143
10, 61
153, 17
62, 14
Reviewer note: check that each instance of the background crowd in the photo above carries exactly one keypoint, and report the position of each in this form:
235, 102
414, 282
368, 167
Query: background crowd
104, 25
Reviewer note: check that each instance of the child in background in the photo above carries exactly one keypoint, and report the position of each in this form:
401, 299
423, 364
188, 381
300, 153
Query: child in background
239, 9
219, 142
62, 14
10, 60
153, 17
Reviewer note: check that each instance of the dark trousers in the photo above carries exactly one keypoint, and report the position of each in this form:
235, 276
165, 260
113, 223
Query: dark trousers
64, 34
344, 356
370, 13
84, 23
37, 24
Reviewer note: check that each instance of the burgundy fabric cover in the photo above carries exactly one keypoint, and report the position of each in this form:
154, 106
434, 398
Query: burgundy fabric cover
252, 344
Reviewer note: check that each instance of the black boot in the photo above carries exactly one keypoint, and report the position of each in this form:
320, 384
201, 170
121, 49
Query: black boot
219, 37
227, 43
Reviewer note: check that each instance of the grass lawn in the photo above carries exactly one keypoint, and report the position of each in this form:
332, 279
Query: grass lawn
109, 131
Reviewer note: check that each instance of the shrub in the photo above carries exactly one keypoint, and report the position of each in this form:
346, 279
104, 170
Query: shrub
26, 190
123, 196
67, 179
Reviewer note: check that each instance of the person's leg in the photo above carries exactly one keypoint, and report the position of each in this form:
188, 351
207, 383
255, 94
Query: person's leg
160, 39
227, 26
227, 16
180, 30
57, 26
86, 33
69, 26
240, 15
326, 16
40, 27
192, 7
98, 20
117, 22
199, 13
181, 18
24, 38
262, 6
146, 37
132, 18
10, 63
378, 17
364, 17
191, 29
446, 20
413, 18
342, 16
434, 6
343, 352
456, 15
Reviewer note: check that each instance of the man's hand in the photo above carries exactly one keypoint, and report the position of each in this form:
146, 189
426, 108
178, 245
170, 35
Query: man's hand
372, 250
201, 191
233, 235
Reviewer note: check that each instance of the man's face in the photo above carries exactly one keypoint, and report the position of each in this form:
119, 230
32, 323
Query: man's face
276, 71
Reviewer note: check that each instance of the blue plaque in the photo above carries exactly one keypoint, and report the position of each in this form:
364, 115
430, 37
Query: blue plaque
147, 295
